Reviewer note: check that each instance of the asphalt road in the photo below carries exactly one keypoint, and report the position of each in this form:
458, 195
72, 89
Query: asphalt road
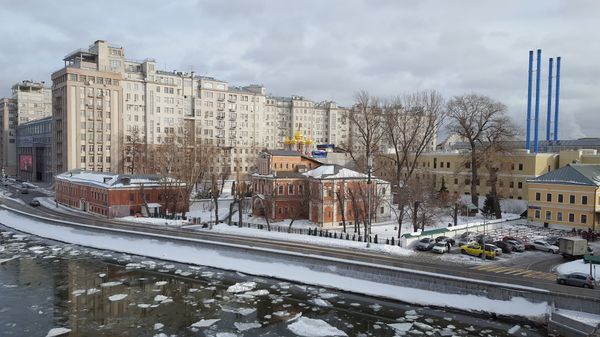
410, 262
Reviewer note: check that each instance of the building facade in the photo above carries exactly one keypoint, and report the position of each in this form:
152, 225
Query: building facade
34, 150
29, 101
105, 103
289, 185
569, 196
118, 195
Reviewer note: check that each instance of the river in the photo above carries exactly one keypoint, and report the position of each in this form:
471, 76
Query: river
48, 286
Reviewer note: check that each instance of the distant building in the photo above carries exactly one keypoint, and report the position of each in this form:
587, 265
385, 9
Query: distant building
29, 101
117, 195
289, 185
34, 150
568, 196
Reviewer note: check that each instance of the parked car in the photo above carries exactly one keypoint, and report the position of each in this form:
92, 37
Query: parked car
576, 279
451, 241
440, 247
24, 191
544, 246
516, 245
553, 240
511, 238
34, 203
425, 244
506, 247
496, 249
483, 238
475, 249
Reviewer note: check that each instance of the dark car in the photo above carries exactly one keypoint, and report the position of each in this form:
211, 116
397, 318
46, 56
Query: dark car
425, 244
506, 248
34, 203
24, 191
451, 241
577, 280
553, 240
516, 246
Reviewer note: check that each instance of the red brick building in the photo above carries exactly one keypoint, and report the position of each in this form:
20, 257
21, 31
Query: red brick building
117, 195
291, 186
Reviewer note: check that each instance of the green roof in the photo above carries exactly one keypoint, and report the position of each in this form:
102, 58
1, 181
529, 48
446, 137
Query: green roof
572, 174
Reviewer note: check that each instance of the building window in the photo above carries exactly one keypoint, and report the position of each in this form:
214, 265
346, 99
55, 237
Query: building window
560, 198
290, 189
519, 185
537, 196
455, 181
280, 190
559, 216
130, 196
583, 218
512, 184
571, 199
548, 197
520, 167
537, 213
584, 200
571, 217
548, 215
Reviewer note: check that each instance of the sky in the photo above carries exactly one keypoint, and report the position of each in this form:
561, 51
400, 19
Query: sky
329, 50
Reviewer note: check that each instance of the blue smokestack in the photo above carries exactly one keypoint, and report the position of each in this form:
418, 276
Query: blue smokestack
537, 101
549, 111
556, 100
528, 137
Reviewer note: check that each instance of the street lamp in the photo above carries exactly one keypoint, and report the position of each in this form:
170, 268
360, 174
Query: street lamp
369, 168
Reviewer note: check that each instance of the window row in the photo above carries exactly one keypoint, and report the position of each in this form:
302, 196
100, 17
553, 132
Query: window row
559, 216
560, 198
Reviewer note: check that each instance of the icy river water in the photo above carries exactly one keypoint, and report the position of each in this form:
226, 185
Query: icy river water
49, 288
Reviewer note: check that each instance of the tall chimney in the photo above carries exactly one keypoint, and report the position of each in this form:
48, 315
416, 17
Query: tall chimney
529, 78
549, 111
556, 100
537, 101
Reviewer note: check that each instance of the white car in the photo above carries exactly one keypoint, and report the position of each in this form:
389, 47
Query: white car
544, 246
440, 247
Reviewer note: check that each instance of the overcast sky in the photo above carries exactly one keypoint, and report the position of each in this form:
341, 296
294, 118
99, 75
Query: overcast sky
328, 50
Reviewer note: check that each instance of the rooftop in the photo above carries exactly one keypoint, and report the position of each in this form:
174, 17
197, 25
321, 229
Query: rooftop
113, 180
334, 172
572, 174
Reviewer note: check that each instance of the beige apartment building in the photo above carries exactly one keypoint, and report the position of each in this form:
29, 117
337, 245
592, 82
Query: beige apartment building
30, 101
105, 102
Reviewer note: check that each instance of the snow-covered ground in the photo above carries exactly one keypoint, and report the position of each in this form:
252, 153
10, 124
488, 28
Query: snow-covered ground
329, 242
191, 253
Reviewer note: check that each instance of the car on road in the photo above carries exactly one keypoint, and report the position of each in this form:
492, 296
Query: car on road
474, 249
34, 203
517, 246
506, 248
544, 246
440, 247
577, 280
451, 241
24, 191
425, 244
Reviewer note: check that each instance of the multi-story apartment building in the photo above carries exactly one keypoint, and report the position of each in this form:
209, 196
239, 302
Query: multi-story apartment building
105, 102
34, 150
29, 101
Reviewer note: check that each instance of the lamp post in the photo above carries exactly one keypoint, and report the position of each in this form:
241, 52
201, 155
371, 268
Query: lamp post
369, 168
483, 238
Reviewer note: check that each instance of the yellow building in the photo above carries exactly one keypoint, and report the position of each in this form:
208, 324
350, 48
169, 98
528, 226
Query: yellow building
567, 196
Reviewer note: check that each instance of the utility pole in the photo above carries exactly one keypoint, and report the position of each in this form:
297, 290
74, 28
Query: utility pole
369, 168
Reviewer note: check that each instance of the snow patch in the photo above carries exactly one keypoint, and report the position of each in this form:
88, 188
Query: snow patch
308, 327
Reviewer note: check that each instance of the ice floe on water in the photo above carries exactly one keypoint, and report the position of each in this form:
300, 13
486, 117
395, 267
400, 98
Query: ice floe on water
246, 326
241, 287
57, 332
117, 297
203, 323
110, 284
309, 327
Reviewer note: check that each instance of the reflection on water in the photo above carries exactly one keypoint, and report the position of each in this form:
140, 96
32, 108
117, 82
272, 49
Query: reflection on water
46, 285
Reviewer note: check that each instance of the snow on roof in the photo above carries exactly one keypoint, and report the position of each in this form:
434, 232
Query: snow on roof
334, 172
113, 180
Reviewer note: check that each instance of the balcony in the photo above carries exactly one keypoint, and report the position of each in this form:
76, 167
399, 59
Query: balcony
220, 126
221, 99
231, 100
221, 108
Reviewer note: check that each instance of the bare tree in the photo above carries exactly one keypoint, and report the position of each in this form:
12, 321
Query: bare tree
475, 117
341, 197
298, 211
134, 152
367, 131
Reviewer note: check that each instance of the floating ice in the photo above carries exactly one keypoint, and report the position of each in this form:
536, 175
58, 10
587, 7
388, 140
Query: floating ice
203, 323
78, 292
327, 295
308, 327
320, 302
259, 292
160, 298
117, 297
111, 284
423, 326
246, 326
401, 327
514, 329
281, 313
161, 283
158, 326
241, 287
57, 332
143, 305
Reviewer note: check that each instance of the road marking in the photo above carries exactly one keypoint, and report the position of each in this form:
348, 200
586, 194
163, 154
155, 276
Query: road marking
516, 271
